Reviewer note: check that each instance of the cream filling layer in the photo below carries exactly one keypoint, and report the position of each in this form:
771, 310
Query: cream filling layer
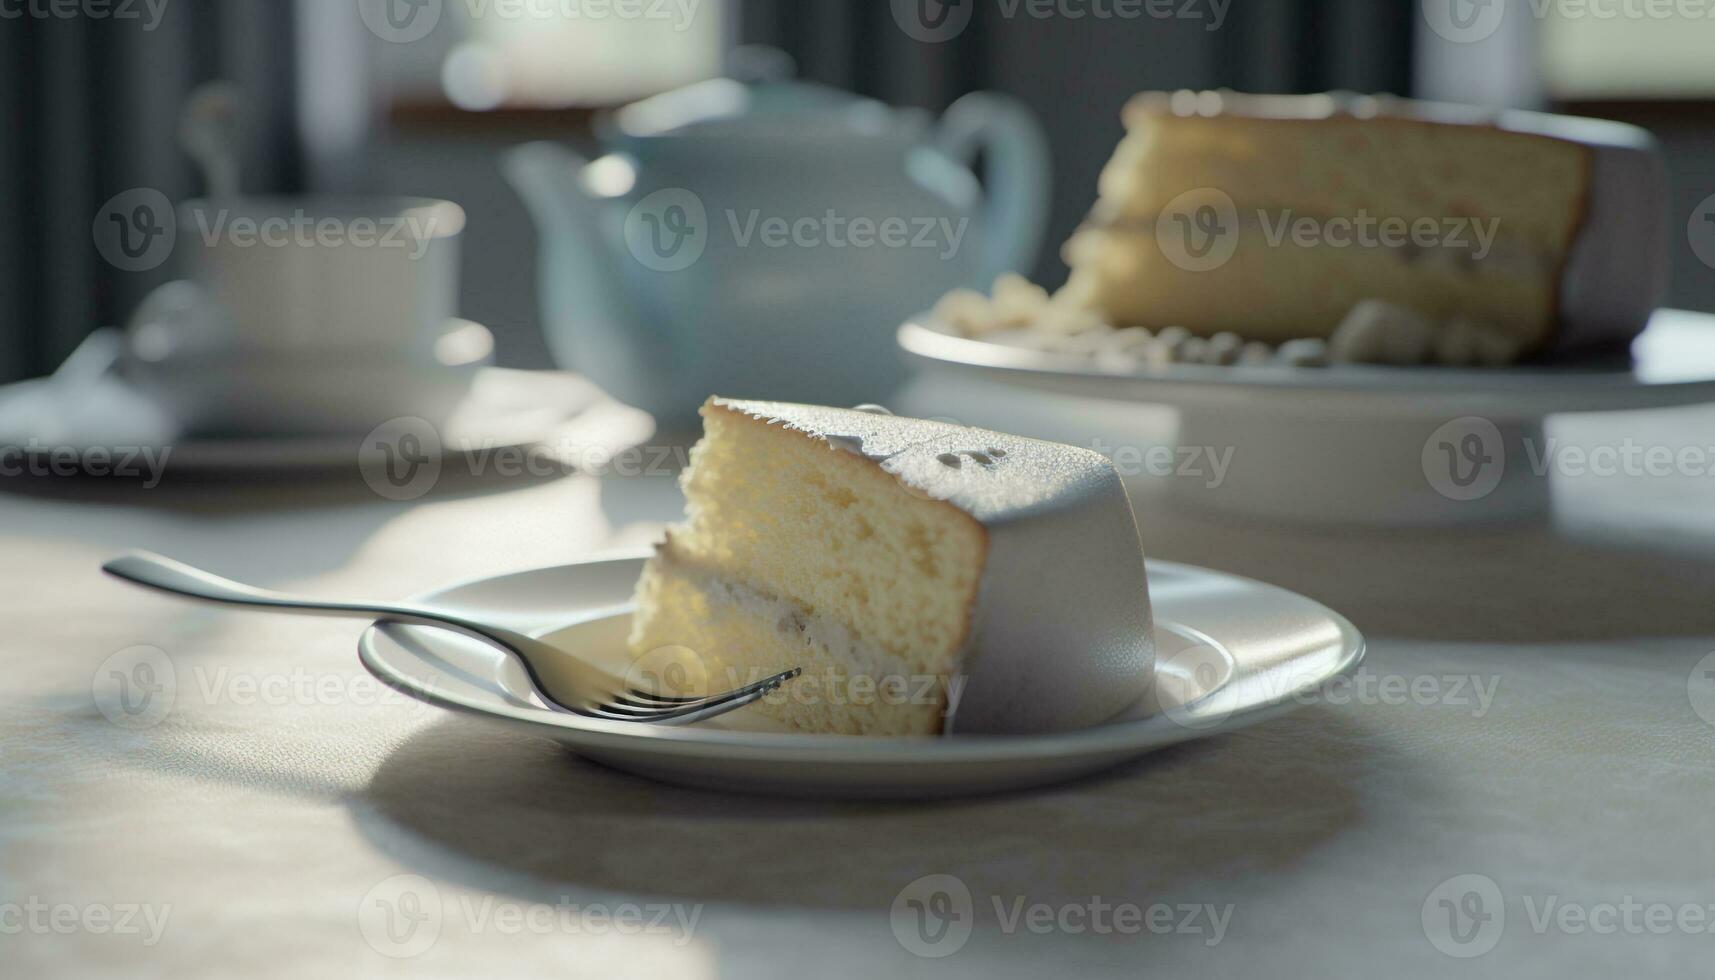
860, 657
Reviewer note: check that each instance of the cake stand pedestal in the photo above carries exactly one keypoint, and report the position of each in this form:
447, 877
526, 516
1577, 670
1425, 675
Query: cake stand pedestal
1370, 471
1358, 444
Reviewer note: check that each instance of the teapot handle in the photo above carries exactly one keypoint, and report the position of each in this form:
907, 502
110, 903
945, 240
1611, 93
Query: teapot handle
1015, 216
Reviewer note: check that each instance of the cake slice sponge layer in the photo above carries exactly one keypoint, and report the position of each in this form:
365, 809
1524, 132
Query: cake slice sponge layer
793, 516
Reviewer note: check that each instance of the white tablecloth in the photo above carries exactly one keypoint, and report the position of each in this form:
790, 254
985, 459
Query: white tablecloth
1528, 713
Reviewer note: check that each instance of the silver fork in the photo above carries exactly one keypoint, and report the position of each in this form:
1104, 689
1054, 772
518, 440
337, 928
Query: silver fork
562, 680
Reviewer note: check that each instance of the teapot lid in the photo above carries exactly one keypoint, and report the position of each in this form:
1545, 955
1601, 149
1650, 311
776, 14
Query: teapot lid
758, 97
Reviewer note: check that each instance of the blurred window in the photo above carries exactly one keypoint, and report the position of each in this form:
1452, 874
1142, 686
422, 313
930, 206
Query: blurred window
1629, 49
486, 54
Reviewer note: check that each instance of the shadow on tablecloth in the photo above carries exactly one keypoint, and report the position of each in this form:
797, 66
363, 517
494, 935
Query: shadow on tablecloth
496, 811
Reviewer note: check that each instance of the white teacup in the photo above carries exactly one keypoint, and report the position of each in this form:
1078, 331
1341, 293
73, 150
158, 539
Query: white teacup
325, 272
315, 315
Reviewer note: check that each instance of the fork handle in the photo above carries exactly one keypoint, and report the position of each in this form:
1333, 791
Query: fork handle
167, 575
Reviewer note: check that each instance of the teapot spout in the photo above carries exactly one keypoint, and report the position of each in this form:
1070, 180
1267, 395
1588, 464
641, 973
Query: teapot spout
582, 288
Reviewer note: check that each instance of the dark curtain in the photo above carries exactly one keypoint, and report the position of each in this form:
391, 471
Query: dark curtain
90, 108
1077, 72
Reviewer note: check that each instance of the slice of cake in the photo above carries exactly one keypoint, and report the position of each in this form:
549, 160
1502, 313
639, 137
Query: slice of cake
924, 575
1272, 217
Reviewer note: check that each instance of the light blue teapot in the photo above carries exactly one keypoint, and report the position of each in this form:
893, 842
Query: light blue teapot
765, 240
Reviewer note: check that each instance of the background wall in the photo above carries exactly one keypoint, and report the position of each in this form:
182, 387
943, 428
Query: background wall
85, 104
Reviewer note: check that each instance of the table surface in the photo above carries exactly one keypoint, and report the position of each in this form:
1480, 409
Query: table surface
1535, 711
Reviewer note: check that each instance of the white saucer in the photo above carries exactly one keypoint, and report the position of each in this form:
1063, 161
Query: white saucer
1231, 652
1359, 443
504, 409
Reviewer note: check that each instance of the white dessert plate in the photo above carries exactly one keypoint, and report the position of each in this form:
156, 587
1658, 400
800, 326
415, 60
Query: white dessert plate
1231, 652
1673, 363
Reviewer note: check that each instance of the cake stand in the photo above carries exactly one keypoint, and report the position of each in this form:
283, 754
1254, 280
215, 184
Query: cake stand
1359, 443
